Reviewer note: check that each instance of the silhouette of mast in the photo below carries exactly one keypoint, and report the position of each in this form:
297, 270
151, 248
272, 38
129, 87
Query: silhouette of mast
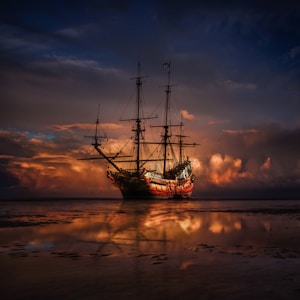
166, 135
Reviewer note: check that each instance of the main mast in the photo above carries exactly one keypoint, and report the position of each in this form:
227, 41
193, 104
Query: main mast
138, 129
166, 125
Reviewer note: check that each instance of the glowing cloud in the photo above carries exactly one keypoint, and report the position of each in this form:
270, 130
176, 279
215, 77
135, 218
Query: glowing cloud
266, 165
224, 170
83, 126
240, 160
241, 132
186, 115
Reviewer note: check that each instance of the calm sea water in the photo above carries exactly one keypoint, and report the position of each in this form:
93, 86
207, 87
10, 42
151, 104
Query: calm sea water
71, 224
62, 243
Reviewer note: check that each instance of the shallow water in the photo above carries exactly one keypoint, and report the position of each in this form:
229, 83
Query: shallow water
149, 246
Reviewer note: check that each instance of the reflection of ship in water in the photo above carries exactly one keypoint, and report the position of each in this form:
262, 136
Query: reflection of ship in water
148, 228
156, 225
128, 226
154, 170
156, 231
125, 229
148, 250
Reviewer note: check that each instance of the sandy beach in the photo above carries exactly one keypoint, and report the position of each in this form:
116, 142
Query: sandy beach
190, 250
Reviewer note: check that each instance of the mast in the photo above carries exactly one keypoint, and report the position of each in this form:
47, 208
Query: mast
180, 143
166, 136
166, 125
97, 144
138, 128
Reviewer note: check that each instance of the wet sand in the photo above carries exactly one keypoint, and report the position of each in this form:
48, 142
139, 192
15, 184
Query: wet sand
177, 251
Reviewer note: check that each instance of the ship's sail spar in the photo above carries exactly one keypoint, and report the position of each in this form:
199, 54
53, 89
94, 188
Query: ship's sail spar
145, 181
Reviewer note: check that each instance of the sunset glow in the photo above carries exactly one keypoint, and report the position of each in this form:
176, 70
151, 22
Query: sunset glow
150, 149
52, 166
235, 86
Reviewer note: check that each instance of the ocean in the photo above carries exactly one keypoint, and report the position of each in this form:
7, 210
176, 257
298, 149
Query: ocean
112, 249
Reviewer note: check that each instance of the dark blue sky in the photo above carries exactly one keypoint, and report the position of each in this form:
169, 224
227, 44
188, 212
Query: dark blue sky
236, 67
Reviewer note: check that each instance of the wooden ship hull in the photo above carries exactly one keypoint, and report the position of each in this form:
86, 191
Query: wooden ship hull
150, 185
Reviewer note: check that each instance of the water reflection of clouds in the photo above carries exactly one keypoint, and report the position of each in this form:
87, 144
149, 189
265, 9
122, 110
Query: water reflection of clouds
163, 250
192, 221
146, 225
224, 223
184, 221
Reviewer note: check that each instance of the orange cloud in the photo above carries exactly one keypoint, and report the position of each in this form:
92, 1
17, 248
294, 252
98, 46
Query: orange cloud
50, 175
266, 165
50, 167
186, 115
224, 170
246, 131
83, 127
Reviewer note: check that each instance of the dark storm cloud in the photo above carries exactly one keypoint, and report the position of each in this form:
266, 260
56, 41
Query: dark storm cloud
14, 144
7, 179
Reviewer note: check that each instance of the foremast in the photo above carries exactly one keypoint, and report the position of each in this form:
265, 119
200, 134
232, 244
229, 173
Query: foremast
97, 145
138, 137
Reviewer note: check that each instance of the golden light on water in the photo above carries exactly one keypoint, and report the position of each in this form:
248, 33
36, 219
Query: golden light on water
191, 242
179, 225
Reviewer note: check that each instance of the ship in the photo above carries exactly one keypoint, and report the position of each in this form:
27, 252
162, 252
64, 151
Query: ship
140, 177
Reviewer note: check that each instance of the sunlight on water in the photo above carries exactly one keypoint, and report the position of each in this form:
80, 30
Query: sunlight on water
177, 235
114, 227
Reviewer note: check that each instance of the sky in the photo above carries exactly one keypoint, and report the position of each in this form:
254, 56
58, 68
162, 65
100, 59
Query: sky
235, 70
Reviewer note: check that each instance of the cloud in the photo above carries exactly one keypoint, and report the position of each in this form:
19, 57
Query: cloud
239, 132
266, 165
218, 122
15, 144
39, 167
186, 115
242, 161
254, 161
224, 170
233, 85
83, 127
